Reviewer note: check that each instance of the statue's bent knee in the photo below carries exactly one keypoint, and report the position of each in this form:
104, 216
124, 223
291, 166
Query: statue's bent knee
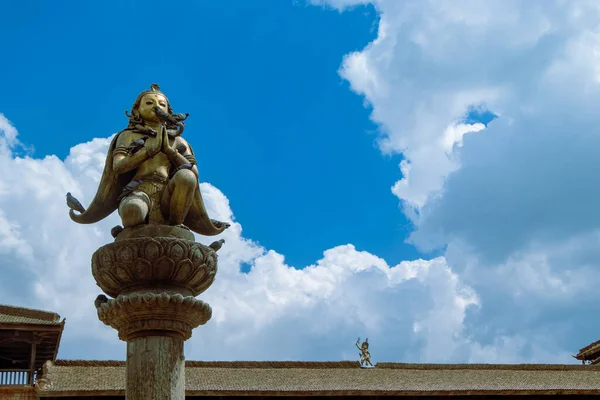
185, 177
134, 208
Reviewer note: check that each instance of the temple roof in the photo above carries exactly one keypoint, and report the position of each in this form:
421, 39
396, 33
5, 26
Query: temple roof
591, 352
20, 315
72, 377
20, 328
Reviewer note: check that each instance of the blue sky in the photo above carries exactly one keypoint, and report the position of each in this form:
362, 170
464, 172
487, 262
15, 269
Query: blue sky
420, 173
276, 127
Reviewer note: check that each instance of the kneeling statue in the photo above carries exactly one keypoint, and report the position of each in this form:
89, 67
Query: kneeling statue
150, 174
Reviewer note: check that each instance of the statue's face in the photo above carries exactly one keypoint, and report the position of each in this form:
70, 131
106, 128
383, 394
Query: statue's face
147, 104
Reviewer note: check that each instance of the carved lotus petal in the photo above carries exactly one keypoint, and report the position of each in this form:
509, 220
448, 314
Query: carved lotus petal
189, 301
108, 279
152, 251
184, 270
163, 268
125, 254
138, 300
197, 254
105, 259
177, 251
163, 299
142, 269
198, 277
177, 299
208, 280
123, 274
147, 299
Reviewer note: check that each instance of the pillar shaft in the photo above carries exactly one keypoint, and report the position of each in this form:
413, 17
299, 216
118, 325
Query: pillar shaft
155, 368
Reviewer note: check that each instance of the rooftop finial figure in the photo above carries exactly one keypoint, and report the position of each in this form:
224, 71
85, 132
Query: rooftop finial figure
150, 175
365, 356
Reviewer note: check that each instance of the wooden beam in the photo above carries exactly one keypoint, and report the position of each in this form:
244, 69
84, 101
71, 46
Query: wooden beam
57, 327
11, 359
16, 336
42, 349
31, 364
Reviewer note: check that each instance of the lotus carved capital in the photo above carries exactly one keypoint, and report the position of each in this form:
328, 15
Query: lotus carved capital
144, 264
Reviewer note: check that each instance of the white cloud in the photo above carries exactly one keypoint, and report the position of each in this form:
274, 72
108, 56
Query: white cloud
432, 60
514, 205
273, 312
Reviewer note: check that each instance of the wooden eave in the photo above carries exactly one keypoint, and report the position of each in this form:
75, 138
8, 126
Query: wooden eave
591, 352
16, 341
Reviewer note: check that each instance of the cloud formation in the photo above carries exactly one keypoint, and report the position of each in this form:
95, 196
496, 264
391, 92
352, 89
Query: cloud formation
411, 311
513, 205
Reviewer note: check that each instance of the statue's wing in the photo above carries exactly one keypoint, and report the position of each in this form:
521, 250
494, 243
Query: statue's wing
110, 187
197, 218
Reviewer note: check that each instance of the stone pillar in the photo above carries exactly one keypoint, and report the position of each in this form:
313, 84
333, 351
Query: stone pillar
156, 359
154, 274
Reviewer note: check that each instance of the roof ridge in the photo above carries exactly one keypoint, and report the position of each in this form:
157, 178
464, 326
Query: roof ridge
220, 364
512, 367
273, 364
29, 312
338, 365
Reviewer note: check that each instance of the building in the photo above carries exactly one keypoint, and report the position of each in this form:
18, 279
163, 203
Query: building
590, 354
29, 341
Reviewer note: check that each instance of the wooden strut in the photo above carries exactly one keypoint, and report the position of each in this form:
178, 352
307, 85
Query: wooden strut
32, 364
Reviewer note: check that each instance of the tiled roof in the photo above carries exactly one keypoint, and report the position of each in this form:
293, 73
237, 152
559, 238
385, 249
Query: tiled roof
272, 378
20, 315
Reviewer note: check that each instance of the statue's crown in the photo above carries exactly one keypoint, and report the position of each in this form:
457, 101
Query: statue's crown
155, 89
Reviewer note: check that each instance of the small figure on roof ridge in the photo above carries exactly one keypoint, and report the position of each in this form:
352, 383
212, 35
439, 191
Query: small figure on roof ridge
365, 356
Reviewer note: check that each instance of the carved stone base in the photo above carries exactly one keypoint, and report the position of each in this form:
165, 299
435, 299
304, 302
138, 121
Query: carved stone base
151, 314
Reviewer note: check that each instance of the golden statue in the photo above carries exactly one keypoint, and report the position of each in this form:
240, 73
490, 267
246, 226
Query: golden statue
150, 174
365, 356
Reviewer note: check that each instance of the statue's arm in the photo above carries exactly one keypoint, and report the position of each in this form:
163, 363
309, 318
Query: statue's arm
122, 160
184, 155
